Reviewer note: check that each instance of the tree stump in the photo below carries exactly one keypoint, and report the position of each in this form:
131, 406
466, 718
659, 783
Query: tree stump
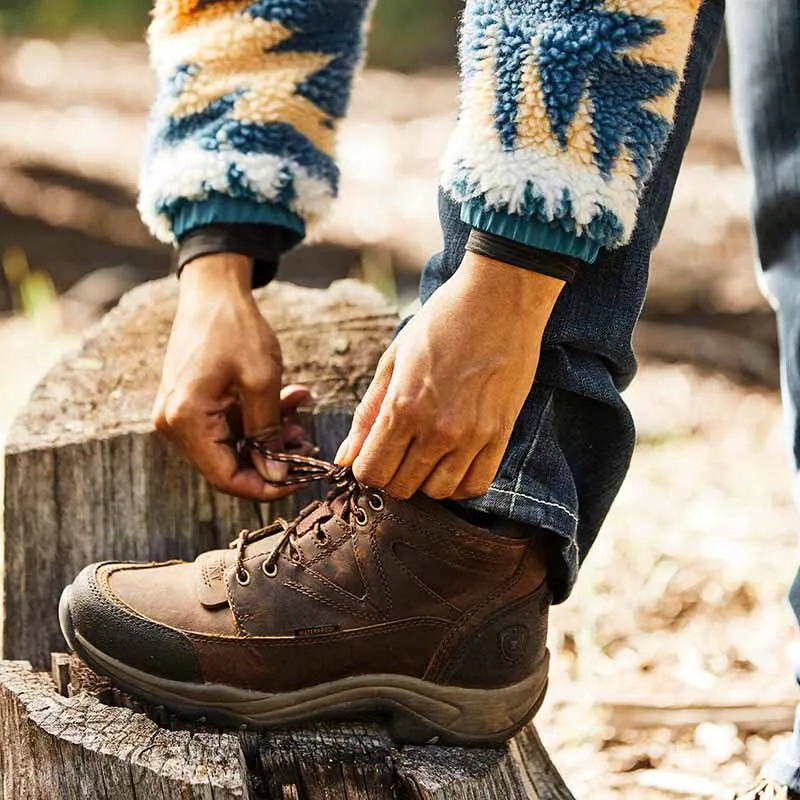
91, 742
86, 479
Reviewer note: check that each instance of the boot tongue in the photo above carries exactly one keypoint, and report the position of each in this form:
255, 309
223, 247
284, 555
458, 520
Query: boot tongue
210, 583
324, 512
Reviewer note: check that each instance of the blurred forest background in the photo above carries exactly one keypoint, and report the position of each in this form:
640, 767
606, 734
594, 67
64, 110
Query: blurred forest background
672, 673
407, 33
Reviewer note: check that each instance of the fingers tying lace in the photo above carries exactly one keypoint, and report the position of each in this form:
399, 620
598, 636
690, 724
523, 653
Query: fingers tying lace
302, 469
341, 503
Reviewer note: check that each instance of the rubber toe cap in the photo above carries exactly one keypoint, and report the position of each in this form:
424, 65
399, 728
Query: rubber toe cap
90, 613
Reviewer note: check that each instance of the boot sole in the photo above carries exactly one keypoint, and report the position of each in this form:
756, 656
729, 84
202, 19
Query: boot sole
416, 711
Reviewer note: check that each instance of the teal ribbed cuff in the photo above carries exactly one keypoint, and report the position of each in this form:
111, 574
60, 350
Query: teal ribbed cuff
218, 208
529, 231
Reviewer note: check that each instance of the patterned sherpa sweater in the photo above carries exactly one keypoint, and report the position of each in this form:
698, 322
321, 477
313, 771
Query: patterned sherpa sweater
565, 108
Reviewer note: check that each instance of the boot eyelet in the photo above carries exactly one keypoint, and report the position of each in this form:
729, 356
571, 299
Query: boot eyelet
269, 571
243, 577
376, 502
361, 516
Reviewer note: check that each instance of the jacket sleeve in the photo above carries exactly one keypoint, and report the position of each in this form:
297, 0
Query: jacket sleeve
250, 96
565, 108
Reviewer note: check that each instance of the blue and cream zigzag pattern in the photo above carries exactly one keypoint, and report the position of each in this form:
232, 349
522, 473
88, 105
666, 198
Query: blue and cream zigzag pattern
565, 108
251, 92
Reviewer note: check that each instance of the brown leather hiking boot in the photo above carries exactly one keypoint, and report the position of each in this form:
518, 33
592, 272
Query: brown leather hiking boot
362, 604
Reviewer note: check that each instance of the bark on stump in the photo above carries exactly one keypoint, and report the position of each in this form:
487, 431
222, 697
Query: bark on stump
95, 743
86, 479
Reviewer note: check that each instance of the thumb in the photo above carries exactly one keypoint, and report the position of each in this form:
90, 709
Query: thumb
262, 420
367, 411
292, 397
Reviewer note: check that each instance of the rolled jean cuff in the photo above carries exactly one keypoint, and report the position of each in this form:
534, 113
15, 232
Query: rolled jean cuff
542, 496
529, 509
539, 512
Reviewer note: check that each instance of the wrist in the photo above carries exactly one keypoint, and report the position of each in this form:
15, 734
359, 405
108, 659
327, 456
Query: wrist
514, 290
221, 273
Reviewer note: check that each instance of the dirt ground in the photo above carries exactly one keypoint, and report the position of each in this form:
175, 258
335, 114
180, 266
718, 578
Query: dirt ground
681, 604
682, 600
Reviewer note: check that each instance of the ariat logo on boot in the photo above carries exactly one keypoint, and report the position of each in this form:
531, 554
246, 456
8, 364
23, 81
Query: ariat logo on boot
512, 642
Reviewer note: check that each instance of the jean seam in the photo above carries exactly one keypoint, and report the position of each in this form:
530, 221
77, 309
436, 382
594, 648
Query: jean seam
537, 500
524, 465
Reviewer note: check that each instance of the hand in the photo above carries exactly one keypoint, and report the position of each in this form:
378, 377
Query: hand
222, 377
446, 396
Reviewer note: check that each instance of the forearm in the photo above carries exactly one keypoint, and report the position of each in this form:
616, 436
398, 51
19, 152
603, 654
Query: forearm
245, 126
564, 114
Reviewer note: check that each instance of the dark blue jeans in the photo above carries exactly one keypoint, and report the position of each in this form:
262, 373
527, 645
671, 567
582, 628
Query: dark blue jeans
765, 45
573, 441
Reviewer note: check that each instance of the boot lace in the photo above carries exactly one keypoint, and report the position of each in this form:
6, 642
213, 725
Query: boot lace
304, 470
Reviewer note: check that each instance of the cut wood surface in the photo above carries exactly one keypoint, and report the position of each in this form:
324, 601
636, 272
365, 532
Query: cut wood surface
86, 478
58, 748
96, 743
